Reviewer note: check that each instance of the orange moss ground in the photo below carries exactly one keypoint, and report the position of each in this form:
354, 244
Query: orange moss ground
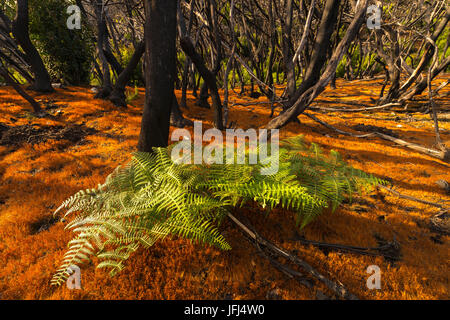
34, 180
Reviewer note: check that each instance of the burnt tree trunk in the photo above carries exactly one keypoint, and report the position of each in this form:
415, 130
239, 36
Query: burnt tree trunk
102, 37
42, 81
289, 65
160, 41
9, 80
320, 51
308, 96
117, 95
208, 76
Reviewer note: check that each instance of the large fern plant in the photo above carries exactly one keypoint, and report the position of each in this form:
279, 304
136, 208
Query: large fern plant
152, 198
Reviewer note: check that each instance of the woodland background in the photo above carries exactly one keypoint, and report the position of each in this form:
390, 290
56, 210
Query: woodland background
75, 104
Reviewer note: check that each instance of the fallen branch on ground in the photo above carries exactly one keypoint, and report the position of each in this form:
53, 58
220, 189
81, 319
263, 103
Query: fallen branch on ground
337, 288
398, 194
257, 103
289, 272
357, 110
377, 251
12, 82
441, 155
442, 86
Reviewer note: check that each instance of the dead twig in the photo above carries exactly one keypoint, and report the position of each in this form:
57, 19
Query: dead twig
357, 110
338, 288
289, 272
442, 86
403, 196
257, 103
383, 250
441, 155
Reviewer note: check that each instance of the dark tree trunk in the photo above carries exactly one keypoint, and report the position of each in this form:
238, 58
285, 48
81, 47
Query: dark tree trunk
322, 45
203, 97
102, 37
204, 92
42, 81
420, 87
187, 63
209, 78
113, 61
184, 83
289, 65
160, 40
9, 80
210, 11
117, 95
176, 117
308, 96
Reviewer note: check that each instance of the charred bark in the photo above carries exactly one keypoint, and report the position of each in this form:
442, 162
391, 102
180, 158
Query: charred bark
160, 41
42, 81
117, 95
209, 78
320, 51
308, 96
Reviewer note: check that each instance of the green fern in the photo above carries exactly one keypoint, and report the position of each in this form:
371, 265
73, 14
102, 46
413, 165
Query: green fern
153, 198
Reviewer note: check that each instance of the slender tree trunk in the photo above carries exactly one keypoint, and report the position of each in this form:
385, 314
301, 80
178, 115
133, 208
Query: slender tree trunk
160, 39
308, 96
393, 64
289, 65
117, 95
102, 31
203, 97
187, 64
229, 66
208, 76
9, 80
420, 87
42, 81
320, 51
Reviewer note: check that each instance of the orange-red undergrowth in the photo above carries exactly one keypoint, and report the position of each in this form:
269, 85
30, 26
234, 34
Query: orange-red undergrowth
35, 179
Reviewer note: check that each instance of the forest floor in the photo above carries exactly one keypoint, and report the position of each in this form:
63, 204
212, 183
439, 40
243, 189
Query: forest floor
43, 161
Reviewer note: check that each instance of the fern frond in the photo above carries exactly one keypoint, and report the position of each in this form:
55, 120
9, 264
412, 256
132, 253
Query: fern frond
153, 198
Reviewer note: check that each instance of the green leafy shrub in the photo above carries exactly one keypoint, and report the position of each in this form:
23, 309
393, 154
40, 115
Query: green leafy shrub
367, 62
66, 53
441, 44
153, 198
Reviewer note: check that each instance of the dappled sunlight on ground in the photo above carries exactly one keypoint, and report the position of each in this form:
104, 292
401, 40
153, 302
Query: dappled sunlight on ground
36, 177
